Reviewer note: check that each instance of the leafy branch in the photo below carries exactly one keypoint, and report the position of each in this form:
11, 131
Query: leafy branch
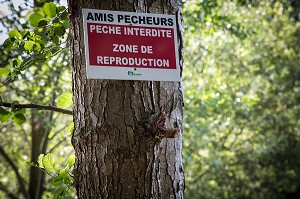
36, 45
38, 106
35, 58
61, 179
18, 110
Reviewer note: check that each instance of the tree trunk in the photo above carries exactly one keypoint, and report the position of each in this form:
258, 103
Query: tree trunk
39, 135
120, 152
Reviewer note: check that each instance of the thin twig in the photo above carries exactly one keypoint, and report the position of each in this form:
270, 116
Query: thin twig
57, 144
57, 132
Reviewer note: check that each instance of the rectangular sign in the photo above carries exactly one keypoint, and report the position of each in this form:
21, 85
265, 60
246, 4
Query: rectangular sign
130, 46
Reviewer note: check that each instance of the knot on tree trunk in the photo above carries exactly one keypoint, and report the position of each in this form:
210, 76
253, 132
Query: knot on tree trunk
156, 126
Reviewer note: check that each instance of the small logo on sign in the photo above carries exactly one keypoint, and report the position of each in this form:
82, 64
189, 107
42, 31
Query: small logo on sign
133, 74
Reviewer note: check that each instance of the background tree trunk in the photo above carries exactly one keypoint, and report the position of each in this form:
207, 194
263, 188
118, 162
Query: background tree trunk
38, 133
117, 153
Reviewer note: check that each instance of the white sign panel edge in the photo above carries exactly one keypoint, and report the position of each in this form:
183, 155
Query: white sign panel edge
129, 73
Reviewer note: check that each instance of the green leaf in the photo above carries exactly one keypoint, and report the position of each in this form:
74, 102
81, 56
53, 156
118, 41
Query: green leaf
43, 22
48, 163
5, 117
7, 43
16, 62
71, 160
30, 45
30, 163
49, 9
4, 71
37, 46
59, 193
40, 58
25, 33
19, 118
65, 100
62, 177
3, 111
55, 39
40, 161
59, 30
34, 19
71, 127
14, 33
14, 73
64, 15
60, 8
20, 110
57, 180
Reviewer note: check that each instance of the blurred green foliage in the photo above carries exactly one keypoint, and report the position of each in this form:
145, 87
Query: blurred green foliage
242, 99
34, 68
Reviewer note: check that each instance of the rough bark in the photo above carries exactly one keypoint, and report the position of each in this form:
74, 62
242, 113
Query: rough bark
117, 153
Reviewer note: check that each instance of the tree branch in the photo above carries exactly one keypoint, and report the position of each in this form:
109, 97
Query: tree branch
57, 144
24, 135
7, 192
57, 132
15, 169
38, 106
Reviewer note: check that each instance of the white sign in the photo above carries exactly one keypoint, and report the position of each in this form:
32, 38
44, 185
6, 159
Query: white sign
130, 46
